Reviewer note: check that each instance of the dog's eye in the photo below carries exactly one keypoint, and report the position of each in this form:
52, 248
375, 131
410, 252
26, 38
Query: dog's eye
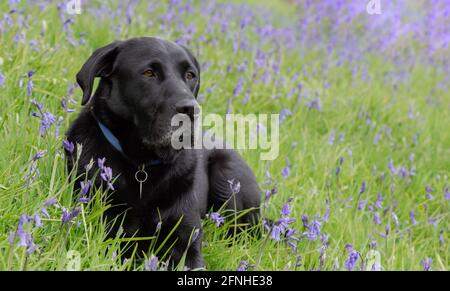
149, 73
189, 76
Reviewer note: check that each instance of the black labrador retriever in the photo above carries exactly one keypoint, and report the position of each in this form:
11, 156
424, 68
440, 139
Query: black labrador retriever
144, 82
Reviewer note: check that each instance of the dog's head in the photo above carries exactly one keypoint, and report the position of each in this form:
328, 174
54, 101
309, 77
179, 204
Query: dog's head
145, 81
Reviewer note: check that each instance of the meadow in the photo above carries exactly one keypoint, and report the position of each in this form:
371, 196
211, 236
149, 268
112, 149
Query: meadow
362, 178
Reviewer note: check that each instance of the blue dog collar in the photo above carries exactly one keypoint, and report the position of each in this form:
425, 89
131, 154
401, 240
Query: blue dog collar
112, 139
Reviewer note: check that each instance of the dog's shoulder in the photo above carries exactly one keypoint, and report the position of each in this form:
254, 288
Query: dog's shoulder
82, 127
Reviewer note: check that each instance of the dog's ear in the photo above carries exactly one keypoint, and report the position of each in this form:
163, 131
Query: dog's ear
99, 64
197, 87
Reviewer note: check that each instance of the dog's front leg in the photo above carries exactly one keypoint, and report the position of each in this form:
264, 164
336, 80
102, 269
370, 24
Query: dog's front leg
189, 244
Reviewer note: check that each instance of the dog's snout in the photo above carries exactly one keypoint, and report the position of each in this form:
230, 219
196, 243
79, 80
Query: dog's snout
189, 107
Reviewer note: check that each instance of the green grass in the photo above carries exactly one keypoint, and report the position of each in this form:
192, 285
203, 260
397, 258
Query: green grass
347, 104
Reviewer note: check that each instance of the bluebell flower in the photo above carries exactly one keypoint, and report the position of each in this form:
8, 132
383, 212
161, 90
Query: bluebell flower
37, 221
218, 220
238, 89
363, 187
70, 216
287, 169
315, 104
395, 218
30, 83
284, 113
244, 266
362, 204
235, 186
281, 227
376, 218
151, 264
379, 201
46, 119
426, 264
412, 217
268, 194
101, 163
2, 80
85, 187
313, 229
352, 257
326, 214
68, 146
106, 173
429, 190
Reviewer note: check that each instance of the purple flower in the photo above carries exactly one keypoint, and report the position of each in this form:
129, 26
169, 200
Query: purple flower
363, 187
287, 169
65, 104
40, 154
101, 163
235, 186
34, 171
376, 218
47, 119
338, 170
352, 258
313, 229
281, 226
244, 266
298, 262
305, 220
106, 173
426, 264
2, 80
215, 216
387, 230
51, 201
284, 113
30, 83
331, 137
447, 193
432, 221
314, 104
260, 59
151, 264
37, 221
412, 217
83, 200
25, 238
285, 210
70, 216
362, 204
391, 167
238, 89
276, 233
66, 214
326, 215
85, 187
394, 216
268, 194
379, 201
429, 190
68, 146
45, 212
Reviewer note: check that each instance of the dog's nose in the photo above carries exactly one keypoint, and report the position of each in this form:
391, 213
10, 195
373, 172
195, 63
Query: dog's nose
189, 107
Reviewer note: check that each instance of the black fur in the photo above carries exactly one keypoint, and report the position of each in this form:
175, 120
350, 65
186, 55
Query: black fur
137, 109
